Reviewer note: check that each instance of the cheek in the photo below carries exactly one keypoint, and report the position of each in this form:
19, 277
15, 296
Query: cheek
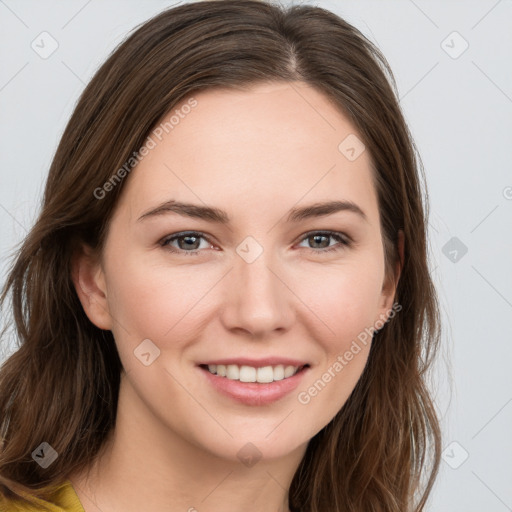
344, 298
346, 305
167, 302
159, 302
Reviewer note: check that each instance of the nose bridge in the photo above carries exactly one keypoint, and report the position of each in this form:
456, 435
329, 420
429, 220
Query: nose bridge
258, 300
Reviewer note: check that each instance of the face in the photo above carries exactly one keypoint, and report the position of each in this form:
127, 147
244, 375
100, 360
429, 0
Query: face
259, 281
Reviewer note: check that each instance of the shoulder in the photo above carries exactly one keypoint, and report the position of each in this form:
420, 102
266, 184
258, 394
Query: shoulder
63, 499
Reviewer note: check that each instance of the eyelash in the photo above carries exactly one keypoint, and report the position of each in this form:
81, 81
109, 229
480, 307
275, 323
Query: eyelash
344, 240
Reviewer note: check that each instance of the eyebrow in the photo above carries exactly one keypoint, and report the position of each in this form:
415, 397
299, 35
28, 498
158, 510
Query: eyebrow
212, 214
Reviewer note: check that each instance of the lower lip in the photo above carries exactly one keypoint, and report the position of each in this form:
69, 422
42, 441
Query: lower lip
254, 393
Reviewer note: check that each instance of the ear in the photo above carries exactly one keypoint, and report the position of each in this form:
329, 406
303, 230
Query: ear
391, 282
89, 280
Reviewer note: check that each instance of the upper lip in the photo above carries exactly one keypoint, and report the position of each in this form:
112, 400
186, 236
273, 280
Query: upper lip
257, 363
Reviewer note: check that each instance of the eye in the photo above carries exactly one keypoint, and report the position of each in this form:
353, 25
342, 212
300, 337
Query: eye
187, 240
322, 238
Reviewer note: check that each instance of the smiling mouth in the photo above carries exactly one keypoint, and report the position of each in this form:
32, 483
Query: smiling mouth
262, 375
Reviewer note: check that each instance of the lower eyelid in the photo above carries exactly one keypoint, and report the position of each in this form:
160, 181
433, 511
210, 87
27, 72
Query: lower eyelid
342, 239
167, 241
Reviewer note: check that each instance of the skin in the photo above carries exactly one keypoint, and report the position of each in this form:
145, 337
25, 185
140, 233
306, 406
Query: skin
255, 154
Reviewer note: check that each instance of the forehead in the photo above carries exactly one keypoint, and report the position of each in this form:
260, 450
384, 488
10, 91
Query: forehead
253, 150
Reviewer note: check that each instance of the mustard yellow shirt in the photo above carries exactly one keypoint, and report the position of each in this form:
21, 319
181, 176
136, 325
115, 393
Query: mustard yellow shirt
64, 499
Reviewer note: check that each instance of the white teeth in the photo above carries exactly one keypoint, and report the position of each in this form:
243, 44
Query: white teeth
245, 373
279, 372
289, 371
265, 374
232, 372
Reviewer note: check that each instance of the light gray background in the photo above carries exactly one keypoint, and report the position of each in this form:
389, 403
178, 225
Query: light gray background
459, 108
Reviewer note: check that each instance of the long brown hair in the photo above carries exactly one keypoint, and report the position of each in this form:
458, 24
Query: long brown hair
381, 452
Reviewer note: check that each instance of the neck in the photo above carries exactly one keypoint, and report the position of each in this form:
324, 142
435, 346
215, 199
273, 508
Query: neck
144, 465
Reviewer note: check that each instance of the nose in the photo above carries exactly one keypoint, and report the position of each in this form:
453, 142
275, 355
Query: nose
258, 300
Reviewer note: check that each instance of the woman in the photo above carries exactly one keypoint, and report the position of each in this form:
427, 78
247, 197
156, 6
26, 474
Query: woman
225, 301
